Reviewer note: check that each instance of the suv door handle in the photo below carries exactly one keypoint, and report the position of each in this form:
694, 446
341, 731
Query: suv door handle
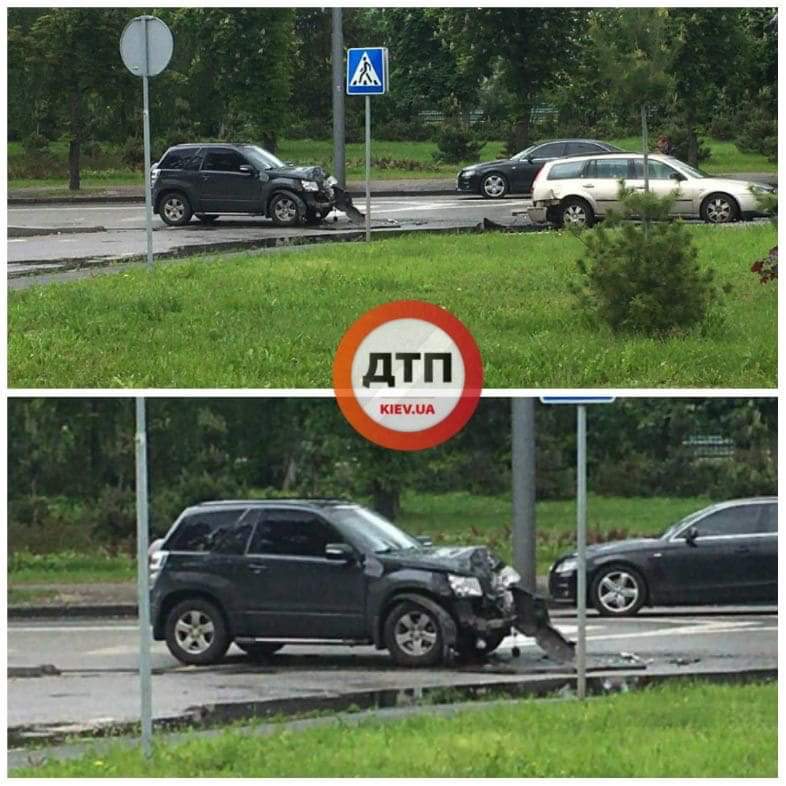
257, 567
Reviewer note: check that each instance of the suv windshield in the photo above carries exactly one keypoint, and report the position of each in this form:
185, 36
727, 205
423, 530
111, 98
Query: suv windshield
370, 530
261, 157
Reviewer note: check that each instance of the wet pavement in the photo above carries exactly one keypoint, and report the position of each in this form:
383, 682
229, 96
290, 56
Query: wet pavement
97, 681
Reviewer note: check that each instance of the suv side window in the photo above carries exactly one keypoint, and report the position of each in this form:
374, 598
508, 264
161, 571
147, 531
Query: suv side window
549, 150
609, 168
181, 158
294, 533
738, 520
567, 171
233, 539
223, 161
200, 530
581, 148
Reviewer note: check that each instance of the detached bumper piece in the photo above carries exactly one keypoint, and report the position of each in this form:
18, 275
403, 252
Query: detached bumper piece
532, 619
343, 202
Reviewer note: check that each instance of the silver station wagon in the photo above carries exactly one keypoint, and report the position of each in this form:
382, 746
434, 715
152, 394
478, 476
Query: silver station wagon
580, 190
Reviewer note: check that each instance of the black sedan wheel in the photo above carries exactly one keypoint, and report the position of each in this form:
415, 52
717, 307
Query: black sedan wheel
196, 632
413, 636
493, 186
175, 209
618, 591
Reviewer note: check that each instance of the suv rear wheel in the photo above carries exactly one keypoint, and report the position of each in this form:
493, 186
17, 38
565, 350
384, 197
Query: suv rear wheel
175, 209
196, 632
413, 635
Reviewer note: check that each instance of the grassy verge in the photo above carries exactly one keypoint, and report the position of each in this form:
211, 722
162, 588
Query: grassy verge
392, 161
275, 320
456, 518
68, 567
670, 731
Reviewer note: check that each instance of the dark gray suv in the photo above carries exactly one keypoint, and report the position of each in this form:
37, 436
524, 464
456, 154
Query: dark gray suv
268, 573
209, 180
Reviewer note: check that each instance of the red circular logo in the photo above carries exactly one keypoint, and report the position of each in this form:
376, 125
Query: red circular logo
408, 375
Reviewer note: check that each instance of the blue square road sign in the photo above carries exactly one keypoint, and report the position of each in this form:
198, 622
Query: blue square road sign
367, 71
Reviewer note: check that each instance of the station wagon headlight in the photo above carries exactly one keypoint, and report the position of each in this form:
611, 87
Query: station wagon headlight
566, 566
310, 185
465, 586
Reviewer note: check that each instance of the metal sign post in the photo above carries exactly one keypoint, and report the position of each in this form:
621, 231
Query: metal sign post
367, 74
142, 580
146, 48
581, 528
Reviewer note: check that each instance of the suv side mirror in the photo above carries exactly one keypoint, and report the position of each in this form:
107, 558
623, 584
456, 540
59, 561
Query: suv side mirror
690, 536
424, 540
341, 552
246, 169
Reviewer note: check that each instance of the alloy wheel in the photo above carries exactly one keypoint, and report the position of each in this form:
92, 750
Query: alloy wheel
416, 633
618, 591
575, 215
719, 210
194, 631
174, 209
494, 186
285, 210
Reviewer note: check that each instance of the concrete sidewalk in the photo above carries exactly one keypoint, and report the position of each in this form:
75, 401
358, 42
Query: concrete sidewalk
356, 188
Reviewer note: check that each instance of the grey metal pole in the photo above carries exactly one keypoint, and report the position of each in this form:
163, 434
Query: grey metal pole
645, 146
523, 469
142, 579
581, 551
146, 124
337, 56
368, 168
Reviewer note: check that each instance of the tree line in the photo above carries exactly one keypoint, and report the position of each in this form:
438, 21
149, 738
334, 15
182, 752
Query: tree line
258, 74
71, 461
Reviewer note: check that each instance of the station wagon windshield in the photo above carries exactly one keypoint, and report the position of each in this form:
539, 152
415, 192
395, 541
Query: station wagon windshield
261, 157
375, 533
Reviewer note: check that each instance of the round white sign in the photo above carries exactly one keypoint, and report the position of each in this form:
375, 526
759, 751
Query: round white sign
146, 46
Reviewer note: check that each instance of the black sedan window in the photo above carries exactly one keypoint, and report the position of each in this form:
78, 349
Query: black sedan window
549, 150
582, 148
738, 520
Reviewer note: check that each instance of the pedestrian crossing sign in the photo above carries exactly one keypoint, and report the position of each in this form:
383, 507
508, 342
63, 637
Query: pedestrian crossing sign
367, 71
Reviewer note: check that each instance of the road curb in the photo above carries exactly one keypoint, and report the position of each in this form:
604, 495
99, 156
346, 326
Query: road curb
351, 707
90, 611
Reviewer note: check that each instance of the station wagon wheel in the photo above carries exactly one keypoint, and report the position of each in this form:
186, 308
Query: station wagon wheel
494, 186
285, 210
575, 213
175, 209
413, 635
618, 592
719, 209
196, 632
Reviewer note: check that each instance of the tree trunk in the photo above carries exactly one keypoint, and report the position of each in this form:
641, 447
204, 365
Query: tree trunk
518, 138
75, 144
387, 502
693, 147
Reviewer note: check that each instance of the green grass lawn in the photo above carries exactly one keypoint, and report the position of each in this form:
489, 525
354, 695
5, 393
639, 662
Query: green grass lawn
456, 518
392, 161
678, 730
274, 320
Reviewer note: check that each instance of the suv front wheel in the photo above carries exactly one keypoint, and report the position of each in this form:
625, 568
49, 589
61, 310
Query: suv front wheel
286, 210
196, 632
413, 636
175, 209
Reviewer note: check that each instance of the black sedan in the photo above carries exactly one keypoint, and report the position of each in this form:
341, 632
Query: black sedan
494, 179
726, 553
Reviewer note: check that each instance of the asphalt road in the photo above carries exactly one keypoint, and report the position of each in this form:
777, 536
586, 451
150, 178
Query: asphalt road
98, 681
114, 231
